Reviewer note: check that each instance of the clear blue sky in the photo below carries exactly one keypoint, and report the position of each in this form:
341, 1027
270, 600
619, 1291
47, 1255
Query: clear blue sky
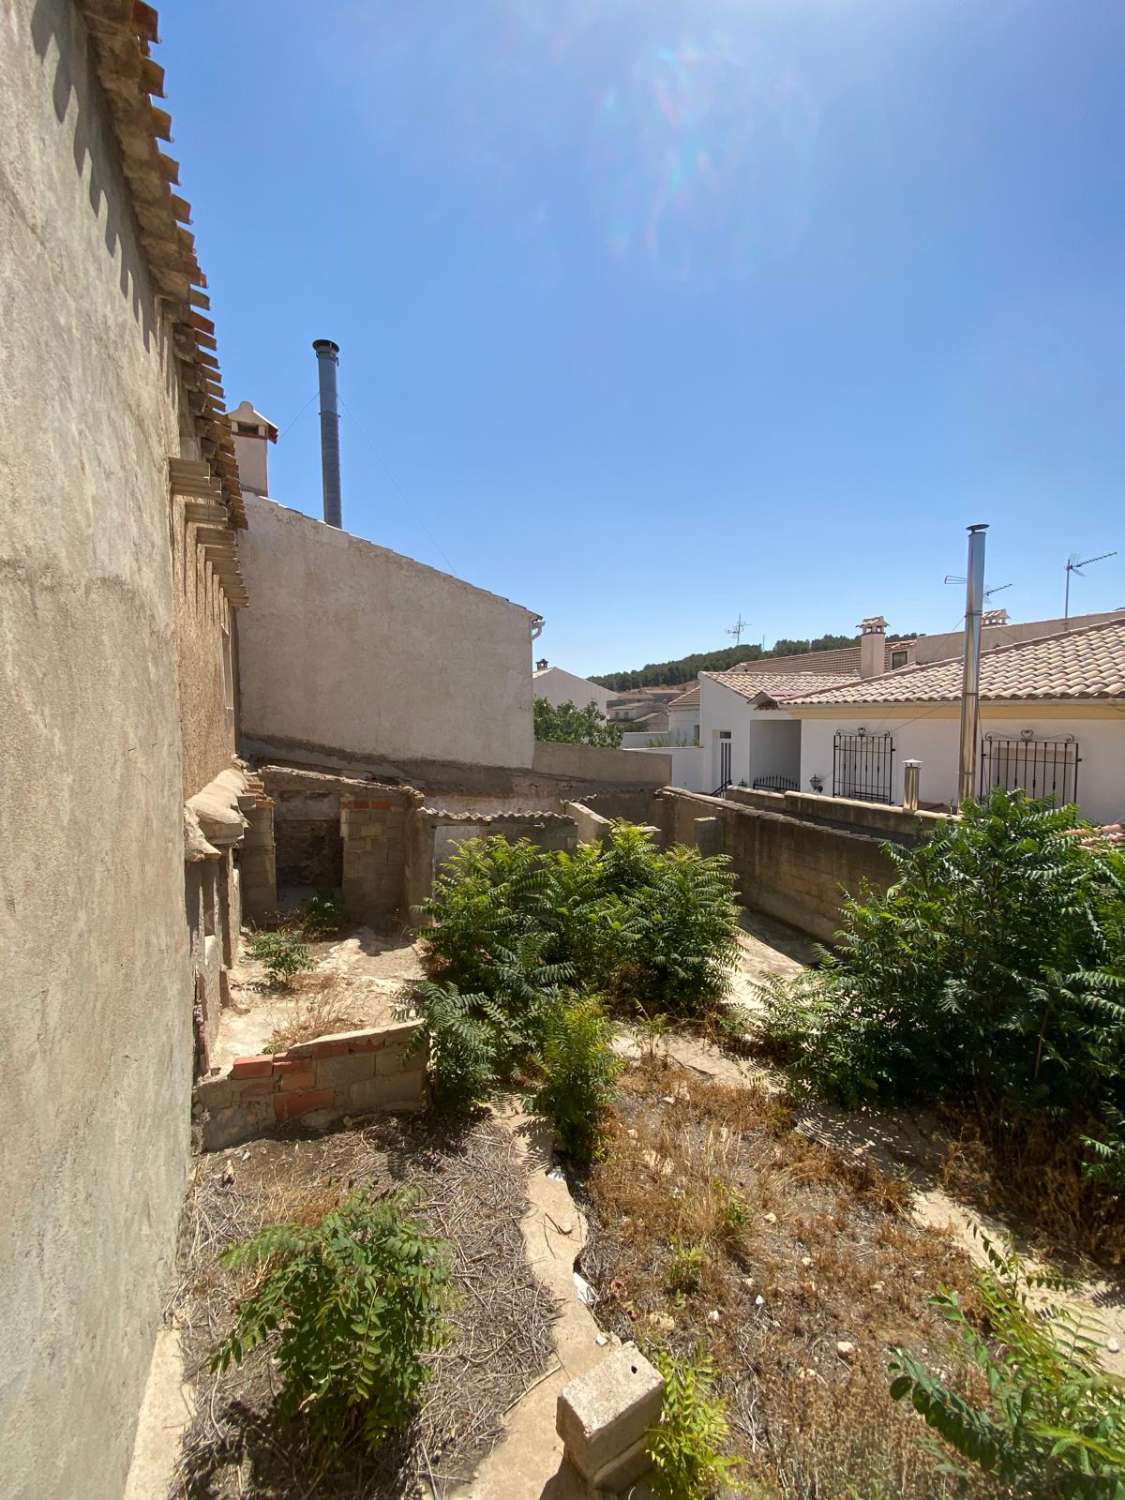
654, 312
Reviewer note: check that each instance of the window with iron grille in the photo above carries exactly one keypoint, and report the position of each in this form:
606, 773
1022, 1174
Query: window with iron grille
861, 765
1041, 768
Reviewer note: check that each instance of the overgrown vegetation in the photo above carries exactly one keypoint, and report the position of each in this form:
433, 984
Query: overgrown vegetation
520, 932
356, 1300
283, 955
687, 1445
323, 915
992, 972
571, 725
1046, 1419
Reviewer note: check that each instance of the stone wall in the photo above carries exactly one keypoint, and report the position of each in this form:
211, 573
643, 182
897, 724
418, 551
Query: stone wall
789, 868
381, 1068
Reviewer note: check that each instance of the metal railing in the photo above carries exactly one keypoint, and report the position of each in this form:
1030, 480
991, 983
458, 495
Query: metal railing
862, 765
1041, 768
776, 784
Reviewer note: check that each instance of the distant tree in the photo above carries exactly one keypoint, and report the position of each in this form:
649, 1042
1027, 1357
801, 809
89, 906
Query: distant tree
568, 724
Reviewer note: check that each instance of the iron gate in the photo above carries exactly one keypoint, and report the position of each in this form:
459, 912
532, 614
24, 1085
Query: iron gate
1041, 768
862, 765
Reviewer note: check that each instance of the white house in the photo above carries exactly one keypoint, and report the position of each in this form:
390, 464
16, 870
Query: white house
748, 737
1052, 720
559, 686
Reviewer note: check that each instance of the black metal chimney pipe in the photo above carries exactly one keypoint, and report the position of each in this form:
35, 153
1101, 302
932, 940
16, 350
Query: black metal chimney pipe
327, 358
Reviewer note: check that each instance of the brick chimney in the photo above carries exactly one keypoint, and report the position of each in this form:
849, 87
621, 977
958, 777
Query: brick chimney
872, 646
252, 432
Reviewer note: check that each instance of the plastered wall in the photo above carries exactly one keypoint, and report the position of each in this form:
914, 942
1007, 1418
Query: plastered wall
95, 1027
353, 648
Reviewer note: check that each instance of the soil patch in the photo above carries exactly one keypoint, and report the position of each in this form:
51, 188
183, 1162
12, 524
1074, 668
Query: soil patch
716, 1224
472, 1190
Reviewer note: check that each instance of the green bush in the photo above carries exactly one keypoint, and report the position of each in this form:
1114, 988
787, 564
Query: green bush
323, 915
686, 1445
1048, 1420
579, 1070
283, 954
571, 725
357, 1301
995, 964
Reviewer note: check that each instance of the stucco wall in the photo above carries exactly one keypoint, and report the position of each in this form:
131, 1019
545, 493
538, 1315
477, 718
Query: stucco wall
933, 738
95, 1029
559, 686
203, 617
762, 741
351, 647
603, 763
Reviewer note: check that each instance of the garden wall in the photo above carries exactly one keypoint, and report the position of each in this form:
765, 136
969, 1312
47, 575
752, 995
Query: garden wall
789, 868
382, 1068
435, 834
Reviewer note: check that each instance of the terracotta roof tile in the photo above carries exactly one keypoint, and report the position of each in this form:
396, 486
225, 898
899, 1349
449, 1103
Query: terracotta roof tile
690, 699
1081, 664
780, 686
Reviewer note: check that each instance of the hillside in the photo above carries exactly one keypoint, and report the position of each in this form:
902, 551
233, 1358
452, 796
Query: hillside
687, 668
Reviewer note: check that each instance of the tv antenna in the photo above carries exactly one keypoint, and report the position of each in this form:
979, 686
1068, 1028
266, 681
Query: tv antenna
737, 628
1074, 565
988, 593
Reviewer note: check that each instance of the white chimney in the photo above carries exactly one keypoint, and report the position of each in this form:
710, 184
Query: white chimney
252, 432
872, 646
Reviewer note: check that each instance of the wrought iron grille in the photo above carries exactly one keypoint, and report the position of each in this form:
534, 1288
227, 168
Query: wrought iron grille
861, 765
1041, 768
776, 784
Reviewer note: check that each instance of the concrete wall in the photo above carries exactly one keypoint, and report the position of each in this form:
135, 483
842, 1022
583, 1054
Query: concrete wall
95, 1029
688, 768
931, 734
602, 763
434, 837
559, 686
353, 648
791, 869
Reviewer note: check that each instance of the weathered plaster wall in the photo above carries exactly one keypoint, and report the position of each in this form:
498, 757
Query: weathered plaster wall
354, 648
95, 1029
203, 618
603, 763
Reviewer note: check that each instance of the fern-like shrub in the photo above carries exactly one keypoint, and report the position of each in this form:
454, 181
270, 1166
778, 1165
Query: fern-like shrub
356, 1302
323, 915
994, 966
283, 955
579, 1071
1048, 1420
686, 1446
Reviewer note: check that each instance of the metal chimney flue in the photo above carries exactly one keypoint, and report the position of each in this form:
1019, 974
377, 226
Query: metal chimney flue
970, 681
328, 358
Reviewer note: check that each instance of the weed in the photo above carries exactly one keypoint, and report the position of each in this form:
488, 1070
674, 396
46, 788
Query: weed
686, 1446
731, 1212
282, 954
1048, 1420
357, 1300
685, 1270
579, 1070
323, 915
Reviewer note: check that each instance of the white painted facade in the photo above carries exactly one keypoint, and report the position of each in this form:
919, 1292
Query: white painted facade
559, 686
931, 733
763, 741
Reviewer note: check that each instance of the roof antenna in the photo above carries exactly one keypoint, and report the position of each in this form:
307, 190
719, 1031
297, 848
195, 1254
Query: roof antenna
988, 593
1073, 565
737, 628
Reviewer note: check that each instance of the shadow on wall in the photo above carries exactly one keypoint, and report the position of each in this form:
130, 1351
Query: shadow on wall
57, 21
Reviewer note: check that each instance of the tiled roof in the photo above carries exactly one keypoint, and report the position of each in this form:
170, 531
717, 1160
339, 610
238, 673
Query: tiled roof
690, 699
1082, 664
841, 661
780, 686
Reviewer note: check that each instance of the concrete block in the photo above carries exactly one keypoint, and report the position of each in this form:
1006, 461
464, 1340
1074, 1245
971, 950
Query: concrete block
291, 1106
605, 1413
392, 1060
335, 1072
621, 1474
216, 1093
371, 1039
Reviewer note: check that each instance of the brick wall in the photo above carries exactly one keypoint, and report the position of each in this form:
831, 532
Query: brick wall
351, 1072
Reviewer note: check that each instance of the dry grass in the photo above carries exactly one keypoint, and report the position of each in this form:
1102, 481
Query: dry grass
322, 1003
472, 1192
792, 1248
1028, 1169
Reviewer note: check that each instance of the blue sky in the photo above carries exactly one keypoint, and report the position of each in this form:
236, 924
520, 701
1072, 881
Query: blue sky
655, 312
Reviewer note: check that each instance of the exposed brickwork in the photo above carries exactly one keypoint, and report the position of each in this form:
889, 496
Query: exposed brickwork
380, 1068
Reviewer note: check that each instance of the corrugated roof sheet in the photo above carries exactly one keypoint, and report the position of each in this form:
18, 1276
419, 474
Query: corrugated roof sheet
1079, 664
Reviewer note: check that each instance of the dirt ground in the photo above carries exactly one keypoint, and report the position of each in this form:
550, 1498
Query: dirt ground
357, 981
471, 1185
